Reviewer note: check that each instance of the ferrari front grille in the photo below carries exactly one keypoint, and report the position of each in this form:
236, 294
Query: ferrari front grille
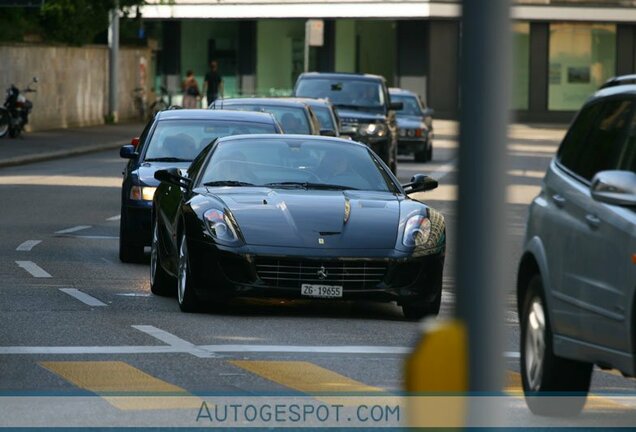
352, 275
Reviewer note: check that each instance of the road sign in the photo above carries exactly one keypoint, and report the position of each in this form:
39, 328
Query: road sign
314, 32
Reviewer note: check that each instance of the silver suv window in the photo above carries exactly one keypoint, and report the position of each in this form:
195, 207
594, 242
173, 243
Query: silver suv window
598, 137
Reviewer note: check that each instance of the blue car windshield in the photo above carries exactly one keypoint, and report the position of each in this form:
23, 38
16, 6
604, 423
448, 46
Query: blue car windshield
293, 120
183, 140
411, 105
294, 163
324, 117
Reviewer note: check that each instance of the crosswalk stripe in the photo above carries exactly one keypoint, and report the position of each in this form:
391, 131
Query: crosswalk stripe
123, 386
322, 384
304, 376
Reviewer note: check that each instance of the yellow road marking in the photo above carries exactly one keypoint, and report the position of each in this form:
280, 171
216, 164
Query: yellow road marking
514, 388
123, 386
305, 377
313, 380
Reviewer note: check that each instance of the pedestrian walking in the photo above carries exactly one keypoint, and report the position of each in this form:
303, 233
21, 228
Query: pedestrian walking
190, 91
213, 83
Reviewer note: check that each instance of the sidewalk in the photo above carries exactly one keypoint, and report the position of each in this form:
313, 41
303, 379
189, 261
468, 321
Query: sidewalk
46, 145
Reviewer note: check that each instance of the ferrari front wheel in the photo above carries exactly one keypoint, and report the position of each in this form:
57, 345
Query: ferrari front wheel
185, 282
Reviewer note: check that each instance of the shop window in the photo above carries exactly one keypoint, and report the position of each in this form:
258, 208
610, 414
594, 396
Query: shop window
582, 58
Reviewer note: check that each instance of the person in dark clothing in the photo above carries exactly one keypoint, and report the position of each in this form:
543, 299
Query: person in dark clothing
213, 83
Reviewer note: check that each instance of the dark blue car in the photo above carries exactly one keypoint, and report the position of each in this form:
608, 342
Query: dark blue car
172, 140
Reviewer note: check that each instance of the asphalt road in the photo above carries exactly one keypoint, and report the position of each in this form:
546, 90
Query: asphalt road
76, 321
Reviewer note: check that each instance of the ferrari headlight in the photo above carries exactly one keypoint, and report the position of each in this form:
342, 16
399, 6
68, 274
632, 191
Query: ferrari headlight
220, 226
416, 231
142, 193
373, 129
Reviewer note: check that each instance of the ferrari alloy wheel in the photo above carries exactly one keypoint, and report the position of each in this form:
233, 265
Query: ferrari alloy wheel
161, 283
185, 289
553, 386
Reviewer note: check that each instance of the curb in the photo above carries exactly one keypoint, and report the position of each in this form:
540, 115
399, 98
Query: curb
58, 154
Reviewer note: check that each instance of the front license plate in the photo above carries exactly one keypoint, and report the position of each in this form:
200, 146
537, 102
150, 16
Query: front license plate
321, 291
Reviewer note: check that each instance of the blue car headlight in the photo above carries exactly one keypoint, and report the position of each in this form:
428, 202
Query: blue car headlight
417, 231
221, 226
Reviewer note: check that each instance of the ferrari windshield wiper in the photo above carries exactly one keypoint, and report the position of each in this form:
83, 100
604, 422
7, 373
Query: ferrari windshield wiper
309, 185
227, 183
167, 159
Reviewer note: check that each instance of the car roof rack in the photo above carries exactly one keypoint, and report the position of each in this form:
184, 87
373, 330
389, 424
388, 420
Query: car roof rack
619, 80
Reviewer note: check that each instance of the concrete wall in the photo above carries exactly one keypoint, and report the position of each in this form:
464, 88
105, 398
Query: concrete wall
73, 87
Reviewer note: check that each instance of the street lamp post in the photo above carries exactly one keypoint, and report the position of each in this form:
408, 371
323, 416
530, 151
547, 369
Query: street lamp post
113, 60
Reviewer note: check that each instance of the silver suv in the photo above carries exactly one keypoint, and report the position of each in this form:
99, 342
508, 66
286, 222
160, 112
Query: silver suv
577, 277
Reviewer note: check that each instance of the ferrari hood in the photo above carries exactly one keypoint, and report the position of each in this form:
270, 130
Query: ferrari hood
320, 219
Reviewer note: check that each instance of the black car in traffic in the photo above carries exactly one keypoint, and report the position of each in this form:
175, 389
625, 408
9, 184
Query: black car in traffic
364, 107
292, 216
294, 116
415, 125
171, 140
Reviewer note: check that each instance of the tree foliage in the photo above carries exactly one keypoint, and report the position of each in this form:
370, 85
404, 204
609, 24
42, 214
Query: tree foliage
73, 22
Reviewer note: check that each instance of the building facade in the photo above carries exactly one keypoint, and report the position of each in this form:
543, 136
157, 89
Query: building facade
563, 50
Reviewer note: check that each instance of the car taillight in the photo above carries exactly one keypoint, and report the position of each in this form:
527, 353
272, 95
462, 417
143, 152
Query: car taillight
135, 142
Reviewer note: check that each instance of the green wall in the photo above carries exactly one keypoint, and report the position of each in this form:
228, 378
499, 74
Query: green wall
279, 55
345, 46
377, 48
521, 66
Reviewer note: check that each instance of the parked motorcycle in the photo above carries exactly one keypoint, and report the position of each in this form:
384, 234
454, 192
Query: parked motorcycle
14, 115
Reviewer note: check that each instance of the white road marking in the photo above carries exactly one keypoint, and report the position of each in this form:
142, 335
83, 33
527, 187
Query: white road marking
114, 218
134, 295
34, 269
73, 229
124, 349
444, 170
181, 346
93, 237
308, 349
174, 341
83, 297
28, 245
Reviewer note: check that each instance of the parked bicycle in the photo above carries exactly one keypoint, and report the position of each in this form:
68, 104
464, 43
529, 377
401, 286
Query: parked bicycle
163, 101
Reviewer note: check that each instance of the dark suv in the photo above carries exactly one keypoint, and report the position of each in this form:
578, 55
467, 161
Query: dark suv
363, 105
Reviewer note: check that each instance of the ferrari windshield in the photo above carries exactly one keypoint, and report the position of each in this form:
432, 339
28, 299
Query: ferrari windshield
294, 163
183, 140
